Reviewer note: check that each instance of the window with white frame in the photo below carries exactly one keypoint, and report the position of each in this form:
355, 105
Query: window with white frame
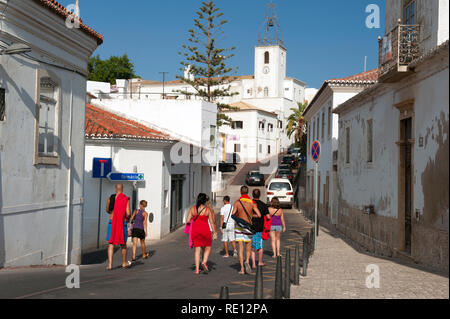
212, 137
47, 118
237, 125
318, 127
266, 91
369, 141
262, 125
269, 127
347, 145
314, 131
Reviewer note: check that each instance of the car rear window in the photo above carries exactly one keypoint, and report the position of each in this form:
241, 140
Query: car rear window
284, 171
280, 186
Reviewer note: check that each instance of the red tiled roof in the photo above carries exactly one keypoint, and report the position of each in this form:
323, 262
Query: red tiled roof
63, 12
103, 124
365, 79
368, 76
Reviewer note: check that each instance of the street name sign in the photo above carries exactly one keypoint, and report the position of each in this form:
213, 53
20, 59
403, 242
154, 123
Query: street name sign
101, 167
126, 177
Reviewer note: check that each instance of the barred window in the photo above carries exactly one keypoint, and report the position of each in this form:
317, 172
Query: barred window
47, 119
347, 145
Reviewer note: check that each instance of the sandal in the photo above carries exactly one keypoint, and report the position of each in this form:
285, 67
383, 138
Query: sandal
146, 256
205, 267
127, 266
197, 272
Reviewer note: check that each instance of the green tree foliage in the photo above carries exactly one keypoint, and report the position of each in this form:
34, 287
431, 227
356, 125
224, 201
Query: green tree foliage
206, 61
111, 69
297, 125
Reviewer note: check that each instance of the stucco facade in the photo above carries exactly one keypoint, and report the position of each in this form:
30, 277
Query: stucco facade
41, 175
407, 181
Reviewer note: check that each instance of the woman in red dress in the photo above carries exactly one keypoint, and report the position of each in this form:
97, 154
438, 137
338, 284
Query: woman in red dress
199, 216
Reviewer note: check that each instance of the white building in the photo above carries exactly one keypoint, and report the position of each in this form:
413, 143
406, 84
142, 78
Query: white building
253, 136
323, 127
394, 142
268, 89
135, 146
42, 110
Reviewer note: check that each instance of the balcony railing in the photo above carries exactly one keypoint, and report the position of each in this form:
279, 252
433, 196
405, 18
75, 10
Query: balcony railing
397, 50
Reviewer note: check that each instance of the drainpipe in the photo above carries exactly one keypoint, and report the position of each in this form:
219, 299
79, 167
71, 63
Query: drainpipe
69, 176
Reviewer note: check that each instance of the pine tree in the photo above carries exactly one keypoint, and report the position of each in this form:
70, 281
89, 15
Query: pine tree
206, 62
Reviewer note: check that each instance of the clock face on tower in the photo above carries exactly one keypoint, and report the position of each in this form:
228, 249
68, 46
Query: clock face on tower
266, 70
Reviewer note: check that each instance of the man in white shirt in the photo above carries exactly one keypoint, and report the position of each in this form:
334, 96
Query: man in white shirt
227, 227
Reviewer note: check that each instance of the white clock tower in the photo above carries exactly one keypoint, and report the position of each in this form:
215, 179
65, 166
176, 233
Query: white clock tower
270, 71
270, 58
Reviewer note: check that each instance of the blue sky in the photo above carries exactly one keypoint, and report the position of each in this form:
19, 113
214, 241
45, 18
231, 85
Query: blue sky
325, 39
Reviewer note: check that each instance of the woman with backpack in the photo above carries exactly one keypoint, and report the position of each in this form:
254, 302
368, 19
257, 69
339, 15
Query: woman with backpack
198, 218
278, 226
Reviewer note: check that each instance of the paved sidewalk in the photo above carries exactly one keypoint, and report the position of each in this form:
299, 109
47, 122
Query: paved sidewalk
337, 270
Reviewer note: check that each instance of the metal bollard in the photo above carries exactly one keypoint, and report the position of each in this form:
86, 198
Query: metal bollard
318, 225
279, 279
311, 242
259, 289
297, 265
224, 293
287, 275
305, 256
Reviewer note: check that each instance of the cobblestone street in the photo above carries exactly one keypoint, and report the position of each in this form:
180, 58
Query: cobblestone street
337, 270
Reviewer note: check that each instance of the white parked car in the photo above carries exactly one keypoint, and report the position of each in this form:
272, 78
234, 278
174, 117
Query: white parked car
281, 188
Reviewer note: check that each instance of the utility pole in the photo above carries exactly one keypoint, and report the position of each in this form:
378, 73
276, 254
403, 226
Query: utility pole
164, 83
365, 63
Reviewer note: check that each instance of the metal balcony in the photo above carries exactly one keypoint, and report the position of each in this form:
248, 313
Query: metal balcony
397, 51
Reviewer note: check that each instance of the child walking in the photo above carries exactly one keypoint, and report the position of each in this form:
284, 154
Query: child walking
139, 231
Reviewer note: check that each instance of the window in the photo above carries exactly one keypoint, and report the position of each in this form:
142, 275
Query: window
330, 121
237, 125
47, 119
410, 12
280, 124
286, 89
266, 91
268, 149
237, 148
323, 126
266, 57
369, 141
318, 128
262, 126
280, 186
2, 105
269, 127
212, 138
260, 148
250, 91
314, 131
347, 145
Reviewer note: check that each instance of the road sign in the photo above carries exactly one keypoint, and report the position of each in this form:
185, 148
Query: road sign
303, 159
126, 177
101, 167
315, 151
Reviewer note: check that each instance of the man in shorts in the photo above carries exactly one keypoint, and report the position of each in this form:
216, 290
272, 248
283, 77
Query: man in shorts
227, 227
258, 223
245, 208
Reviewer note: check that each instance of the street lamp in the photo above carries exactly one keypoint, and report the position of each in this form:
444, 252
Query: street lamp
15, 48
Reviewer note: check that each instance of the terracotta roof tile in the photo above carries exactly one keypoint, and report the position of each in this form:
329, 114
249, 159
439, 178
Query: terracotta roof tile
103, 124
63, 12
368, 76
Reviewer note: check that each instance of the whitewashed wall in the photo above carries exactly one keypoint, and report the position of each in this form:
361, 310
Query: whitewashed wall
33, 198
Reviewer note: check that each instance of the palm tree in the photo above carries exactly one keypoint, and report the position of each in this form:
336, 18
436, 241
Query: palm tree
297, 123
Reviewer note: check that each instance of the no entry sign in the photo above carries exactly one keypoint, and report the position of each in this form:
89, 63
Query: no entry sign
315, 151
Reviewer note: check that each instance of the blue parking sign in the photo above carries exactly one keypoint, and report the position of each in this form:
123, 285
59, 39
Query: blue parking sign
101, 167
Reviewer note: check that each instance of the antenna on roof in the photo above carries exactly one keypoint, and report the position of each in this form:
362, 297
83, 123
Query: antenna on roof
271, 31
77, 9
365, 63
